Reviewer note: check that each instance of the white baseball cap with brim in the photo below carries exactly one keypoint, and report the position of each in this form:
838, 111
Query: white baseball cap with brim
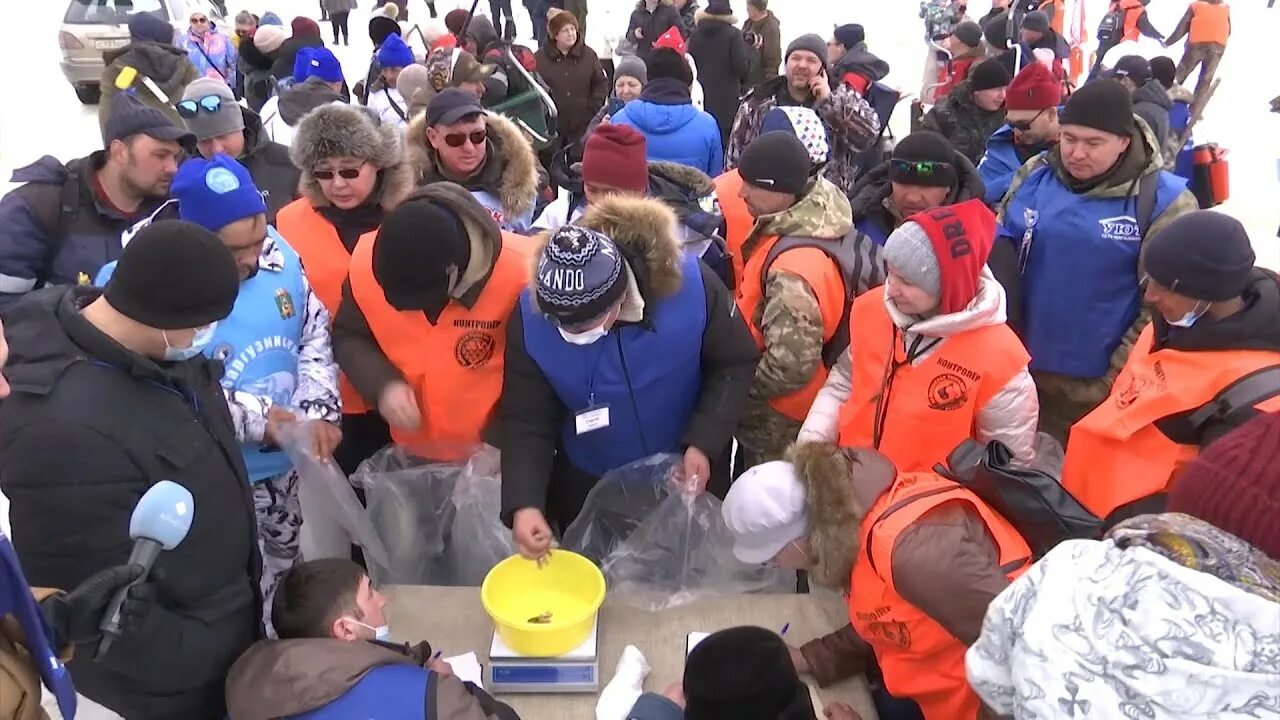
765, 511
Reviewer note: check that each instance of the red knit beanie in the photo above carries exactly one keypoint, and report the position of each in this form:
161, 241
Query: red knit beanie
615, 155
961, 236
1235, 484
305, 27
1034, 88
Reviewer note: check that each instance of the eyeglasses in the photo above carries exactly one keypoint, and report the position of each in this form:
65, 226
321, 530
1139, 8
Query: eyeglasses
345, 173
918, 167
477, 137
1025, 125
190, 108
199, 20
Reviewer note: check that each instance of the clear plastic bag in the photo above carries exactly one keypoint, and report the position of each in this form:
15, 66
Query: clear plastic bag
618, 504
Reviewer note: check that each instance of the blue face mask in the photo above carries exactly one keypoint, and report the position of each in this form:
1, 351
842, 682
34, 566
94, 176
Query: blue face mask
199, 342
1191, 317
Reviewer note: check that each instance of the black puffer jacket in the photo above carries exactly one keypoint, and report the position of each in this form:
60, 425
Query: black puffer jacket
868, 197
721, 54
269, 165
90, 426
651, 24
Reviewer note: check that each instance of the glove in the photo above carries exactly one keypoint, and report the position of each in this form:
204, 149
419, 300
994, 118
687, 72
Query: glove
74, 616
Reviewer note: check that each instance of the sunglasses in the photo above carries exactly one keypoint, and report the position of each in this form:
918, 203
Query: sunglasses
918, 167
477, 137
345, 173
199, 21
1025, 125
190, 108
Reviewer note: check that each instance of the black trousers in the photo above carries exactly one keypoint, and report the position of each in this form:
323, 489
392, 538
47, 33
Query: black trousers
339, 21
496, 9
362, 436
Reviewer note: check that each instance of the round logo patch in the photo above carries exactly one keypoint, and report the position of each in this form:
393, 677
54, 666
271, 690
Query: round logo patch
222, 352
221, 181
1131, 387
474, 349
948, 392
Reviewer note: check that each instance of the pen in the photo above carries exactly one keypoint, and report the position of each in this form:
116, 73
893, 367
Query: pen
436, 656
785, 628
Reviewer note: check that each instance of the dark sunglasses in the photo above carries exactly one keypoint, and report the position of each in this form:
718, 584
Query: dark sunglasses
345, 173
1025, 125
199, 21
918, 167
190, 108
477, 137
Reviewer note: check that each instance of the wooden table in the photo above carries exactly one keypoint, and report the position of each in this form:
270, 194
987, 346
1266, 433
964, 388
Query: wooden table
453, 621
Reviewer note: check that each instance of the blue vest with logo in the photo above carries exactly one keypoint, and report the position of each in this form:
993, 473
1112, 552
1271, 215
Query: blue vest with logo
1079, 270
649, 378
258, 343
387, 692
522, 225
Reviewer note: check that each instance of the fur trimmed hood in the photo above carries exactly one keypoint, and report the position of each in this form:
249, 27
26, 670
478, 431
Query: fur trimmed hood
695, 181
701, 15
840, 487
515, 178
338, 130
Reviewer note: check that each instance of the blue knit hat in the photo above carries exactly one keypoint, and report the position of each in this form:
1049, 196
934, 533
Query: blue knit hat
805, 124
270, 18
317, 62
579, 275
215, 193
394, 53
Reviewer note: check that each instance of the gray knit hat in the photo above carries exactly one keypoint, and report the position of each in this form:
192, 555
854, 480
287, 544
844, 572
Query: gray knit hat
809, 43
632, 66
909, 253
204, 123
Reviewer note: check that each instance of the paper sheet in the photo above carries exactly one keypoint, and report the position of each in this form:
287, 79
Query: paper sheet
467, 668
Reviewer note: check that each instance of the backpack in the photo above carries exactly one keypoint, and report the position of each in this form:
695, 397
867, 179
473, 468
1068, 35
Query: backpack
54, 211
1033, 501
1109, 27
861, 269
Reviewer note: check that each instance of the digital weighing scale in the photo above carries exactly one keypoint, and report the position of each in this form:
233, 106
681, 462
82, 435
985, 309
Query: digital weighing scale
577, 671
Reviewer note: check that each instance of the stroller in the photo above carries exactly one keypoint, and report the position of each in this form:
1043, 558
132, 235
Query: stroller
884, 100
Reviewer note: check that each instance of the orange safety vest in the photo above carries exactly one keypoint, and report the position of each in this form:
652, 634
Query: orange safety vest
1210, 23
824, 278
1132, 10
1059, 11
737, 221
454, 366
919, 658
326, 261
1115, 454
917, 414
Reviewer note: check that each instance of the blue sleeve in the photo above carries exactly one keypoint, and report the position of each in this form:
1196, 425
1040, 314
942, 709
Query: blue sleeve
995, 179
715, 163
105, 274
25, 248
652, 706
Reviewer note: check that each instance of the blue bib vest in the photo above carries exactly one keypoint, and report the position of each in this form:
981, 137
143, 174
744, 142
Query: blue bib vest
387, 692
1079, 270
522, 225
16, 600
258, 343
649, 379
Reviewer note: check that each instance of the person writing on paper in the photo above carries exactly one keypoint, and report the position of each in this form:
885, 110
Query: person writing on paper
274, 346
919, 557
622, 347
110, 395
334, 659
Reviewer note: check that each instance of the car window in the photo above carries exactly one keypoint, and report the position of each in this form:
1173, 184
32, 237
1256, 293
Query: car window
111, 12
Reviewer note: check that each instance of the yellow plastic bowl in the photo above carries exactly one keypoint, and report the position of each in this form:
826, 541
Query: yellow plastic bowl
568, 586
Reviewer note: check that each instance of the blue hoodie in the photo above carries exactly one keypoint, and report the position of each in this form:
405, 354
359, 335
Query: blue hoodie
674, 130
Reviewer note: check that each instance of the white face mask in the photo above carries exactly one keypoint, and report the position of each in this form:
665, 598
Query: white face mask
584, 338
382, 632
1191, 317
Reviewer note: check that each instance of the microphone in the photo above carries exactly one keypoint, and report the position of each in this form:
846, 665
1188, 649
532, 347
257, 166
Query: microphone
160, 521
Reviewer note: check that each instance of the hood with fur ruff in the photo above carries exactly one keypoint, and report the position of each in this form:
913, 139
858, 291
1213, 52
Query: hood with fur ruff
517, 181
338, 130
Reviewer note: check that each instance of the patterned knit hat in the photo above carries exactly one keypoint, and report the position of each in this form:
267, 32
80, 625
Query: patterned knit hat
579, 275
805, 124
1235, 484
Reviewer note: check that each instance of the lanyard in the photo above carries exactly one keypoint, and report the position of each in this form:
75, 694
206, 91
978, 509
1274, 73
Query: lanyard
918, 349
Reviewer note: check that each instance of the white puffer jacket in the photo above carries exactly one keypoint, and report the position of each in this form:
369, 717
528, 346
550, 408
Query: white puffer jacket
1010, 417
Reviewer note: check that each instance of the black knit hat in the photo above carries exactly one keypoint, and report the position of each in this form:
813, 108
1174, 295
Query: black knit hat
1164, 70
1036, 21
850, 35
968, 32
813, 44
174, 275
989, 76
924, 158
667, 63
744, 673
1203, 255
1102, 105
776, 161
996, 30
413, 267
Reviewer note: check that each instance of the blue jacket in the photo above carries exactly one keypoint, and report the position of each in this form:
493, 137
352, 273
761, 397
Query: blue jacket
1179, 116
652, 706
674, 129
55, 230
395, 692
1079, 259
38, 639
999, 164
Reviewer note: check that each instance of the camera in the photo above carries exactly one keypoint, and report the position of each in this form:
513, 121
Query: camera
752, 38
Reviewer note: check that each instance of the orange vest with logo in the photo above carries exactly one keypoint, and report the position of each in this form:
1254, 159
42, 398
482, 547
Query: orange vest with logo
1116, 455
737, 220
326, 262
919, 658
917, 414
823, 277
454, 366
1210, 23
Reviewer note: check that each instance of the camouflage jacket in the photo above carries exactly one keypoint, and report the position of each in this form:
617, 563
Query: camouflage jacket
851, 123
790, 319
966, 125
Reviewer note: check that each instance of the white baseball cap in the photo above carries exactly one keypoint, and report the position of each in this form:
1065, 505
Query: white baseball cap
765, 511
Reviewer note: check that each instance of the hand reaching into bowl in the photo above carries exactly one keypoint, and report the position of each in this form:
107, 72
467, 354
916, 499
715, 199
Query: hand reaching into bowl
531, 533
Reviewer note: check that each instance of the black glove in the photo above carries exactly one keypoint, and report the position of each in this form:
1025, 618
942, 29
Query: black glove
74, 616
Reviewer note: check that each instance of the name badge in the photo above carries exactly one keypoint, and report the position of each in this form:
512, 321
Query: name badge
592, 419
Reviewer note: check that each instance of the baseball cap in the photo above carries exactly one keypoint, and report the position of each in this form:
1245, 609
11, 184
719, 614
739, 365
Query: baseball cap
765, 511
451, 105
128, 116
1134, 67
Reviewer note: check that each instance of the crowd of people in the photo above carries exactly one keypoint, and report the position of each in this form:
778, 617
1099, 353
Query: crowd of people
715, 256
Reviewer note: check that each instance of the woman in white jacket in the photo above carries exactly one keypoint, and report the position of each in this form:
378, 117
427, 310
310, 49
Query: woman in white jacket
931, 362
392, 109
